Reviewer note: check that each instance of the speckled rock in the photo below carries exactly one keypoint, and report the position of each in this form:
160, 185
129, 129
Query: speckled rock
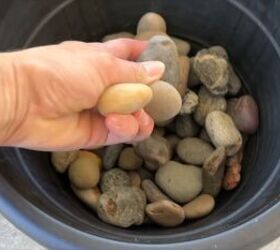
114, 178
180, 182
190, 102
122, 206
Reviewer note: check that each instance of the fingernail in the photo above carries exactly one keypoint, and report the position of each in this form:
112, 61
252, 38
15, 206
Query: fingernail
155, 69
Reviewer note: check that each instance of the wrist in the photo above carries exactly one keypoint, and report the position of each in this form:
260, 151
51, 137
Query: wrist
13, 101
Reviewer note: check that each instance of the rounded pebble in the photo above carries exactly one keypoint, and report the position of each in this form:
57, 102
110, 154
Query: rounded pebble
89, 196
153, 193
199, 207
122, 206
165, 213
223, 133
186, 126
129, 160
114, 178
62, 160
180, 182
151, 22
194, 150
155, 151
84, 172
125, 98
245, 114
160, 108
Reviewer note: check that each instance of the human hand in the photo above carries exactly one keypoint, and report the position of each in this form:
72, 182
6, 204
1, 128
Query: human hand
50, 94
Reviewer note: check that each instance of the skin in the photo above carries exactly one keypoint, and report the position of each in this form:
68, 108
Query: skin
49, 94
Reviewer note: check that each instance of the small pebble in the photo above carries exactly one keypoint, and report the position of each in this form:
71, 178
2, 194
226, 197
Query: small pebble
159, 131
62, 160
208, 103
199, 207
124, 98
145, 174
213, 72
184, 65
173, 141
193, 150
204, 135
162, 48
153, 193
151, 22
122, 206
111, 155
183, 46
223, 133
155, 150
165, 213
84, 172
245, 114
190, 102
129, 160
186, 126
89, 196
114, 178
193, 80
123, 34
159, 107
213, 172
180, 182
135, 179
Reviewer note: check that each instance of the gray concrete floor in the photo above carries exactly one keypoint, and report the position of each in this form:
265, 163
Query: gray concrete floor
13, 239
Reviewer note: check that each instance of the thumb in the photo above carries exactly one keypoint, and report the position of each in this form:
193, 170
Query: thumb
126, 71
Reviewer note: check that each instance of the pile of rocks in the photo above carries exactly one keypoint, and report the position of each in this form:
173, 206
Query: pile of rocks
196, 149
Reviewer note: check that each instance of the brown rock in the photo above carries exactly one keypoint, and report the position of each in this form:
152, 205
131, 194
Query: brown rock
62, 160
129, 160
153, 193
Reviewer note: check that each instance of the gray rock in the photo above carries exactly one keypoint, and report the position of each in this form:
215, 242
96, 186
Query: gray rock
153, 193
186, 126
111, 155
193, 150
180, 182
122, 206
114, 178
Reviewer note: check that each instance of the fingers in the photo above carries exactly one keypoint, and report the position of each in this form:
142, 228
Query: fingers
126, 71
146, 125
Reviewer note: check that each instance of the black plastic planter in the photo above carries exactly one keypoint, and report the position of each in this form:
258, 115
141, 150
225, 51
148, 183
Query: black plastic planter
40, 203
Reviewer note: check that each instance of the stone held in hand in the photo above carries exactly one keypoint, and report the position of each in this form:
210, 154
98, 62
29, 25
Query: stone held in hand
84, 172
213, 172
190, 102
129, 160
122, 206
179, 181
62, 160
193, 150
114, 178
165, 213
245, 114
155, 151
199, 207
162, 48
124, 98
186, 126
118, 35
89, 196
153, 193
208, 103
223, 133
166, 102
151, 22
111, 155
